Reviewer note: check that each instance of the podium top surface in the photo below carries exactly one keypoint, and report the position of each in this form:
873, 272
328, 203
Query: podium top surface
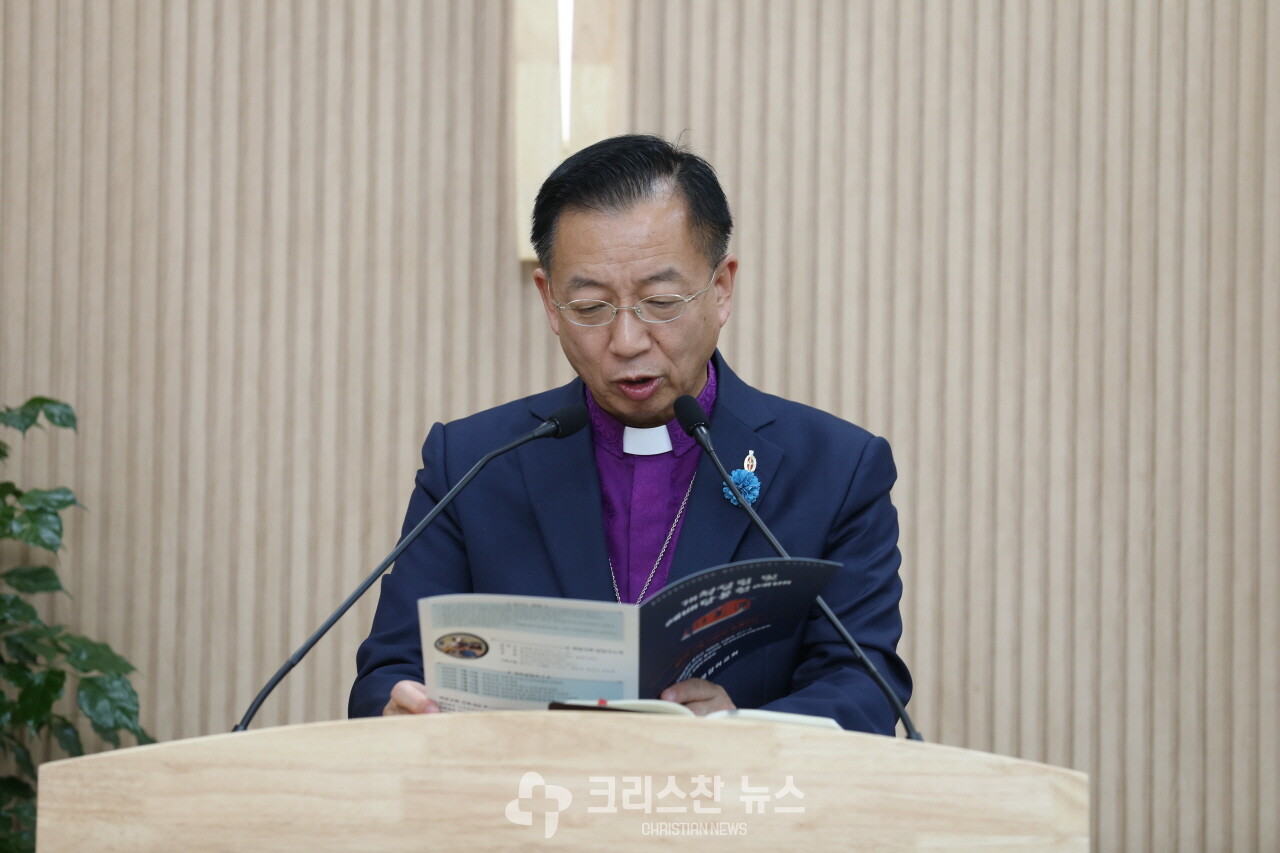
573, 780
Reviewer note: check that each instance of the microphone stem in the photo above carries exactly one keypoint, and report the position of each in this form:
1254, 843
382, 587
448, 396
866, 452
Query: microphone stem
705, 435
369, 581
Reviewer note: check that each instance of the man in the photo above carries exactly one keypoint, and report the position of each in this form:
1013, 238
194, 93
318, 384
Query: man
632, 237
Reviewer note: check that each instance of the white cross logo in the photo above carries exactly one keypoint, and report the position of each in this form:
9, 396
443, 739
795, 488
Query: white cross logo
536, 796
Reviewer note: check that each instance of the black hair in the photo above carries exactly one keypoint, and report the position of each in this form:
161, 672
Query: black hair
614, 174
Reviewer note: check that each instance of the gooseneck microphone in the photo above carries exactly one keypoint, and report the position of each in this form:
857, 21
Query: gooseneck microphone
562, 424
693, 420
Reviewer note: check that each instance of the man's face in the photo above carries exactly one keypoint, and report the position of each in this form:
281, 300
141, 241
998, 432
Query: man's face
636, 370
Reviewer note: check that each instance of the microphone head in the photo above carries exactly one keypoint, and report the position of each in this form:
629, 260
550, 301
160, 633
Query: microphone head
569, 420
690, 414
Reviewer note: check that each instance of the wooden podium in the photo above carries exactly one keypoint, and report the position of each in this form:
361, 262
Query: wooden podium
582, 780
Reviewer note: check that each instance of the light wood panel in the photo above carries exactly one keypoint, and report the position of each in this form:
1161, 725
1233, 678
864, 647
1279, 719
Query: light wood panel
232, 235
450, 778
262, 245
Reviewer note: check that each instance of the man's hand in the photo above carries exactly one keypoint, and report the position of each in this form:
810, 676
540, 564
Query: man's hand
699, 696
409, 697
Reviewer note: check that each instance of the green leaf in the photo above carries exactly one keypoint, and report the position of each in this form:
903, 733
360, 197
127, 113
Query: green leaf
4, 451
38, 527
17, 674
90, 656
18, 647
21, 418
111, 736
110, 704
35, 701
28, 646
56, 412
25, 416
8, 487
67, 736
22, 756
30, 579
18, 827
14, 609
49, 499
15, 787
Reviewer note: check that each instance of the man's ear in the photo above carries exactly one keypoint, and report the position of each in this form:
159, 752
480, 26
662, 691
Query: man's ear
724, 287
543, 283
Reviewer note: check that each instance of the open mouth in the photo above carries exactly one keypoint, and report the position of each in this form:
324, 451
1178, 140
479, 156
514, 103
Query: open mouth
639, 388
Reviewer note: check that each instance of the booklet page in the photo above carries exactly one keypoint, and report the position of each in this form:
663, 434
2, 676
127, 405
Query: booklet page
706, 621
491, 652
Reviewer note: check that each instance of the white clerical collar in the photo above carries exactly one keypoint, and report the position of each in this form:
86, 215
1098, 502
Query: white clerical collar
646, 442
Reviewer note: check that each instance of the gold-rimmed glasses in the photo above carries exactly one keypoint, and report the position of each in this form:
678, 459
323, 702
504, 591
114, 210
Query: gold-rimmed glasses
659, 308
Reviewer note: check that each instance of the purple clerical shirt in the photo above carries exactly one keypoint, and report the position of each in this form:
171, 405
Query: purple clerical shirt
640, 497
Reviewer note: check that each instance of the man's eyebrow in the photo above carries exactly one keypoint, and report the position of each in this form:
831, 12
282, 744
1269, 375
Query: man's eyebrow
669, 274
577, 282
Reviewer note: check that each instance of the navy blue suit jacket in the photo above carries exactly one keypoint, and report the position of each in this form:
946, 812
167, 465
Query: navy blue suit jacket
531, 524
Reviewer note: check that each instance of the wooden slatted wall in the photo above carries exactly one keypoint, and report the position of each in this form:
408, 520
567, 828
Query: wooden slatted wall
261, 246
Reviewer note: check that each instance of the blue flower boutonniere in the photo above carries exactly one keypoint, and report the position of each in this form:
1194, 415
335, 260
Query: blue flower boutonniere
747, 482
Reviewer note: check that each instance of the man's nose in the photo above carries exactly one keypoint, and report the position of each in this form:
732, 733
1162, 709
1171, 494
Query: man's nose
629, 335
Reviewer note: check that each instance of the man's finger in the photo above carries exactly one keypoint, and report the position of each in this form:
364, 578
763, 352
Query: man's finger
409, 697
699, 695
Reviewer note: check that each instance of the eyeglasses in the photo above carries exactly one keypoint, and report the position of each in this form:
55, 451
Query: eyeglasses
660, 308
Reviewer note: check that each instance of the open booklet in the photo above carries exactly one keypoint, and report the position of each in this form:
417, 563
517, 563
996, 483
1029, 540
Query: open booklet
482, 651
658, 706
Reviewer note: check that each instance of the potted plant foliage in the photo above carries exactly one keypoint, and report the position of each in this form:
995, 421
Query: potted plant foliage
40, 662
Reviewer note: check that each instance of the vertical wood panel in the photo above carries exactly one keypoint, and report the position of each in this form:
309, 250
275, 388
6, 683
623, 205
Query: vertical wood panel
40, 187
1035, 449
1100, 503
919, 407
1267, 665
1241, 810
1191, 337
168, 668
1132, 58
953, 363
825, 188
15, 46
1167, 208
1008, 499
1222, 411
194, 638
981, 228
273, 386
303, 266
261, 246
1259, 783
67, 179
849, 256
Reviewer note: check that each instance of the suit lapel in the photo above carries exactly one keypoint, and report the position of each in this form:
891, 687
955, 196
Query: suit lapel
564, 491
713, 528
